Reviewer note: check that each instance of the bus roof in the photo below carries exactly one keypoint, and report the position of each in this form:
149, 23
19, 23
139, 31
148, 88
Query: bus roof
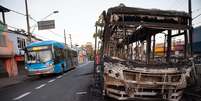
46, 43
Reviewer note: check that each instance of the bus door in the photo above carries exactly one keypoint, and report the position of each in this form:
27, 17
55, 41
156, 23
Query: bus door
59, 60
66, 59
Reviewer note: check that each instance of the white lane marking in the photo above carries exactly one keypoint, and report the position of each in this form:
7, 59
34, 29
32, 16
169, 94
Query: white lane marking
59, 76
81, 93
21, 96
51, 80
42, 85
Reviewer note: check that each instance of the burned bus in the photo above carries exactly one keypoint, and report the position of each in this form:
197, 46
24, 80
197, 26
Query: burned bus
130, 68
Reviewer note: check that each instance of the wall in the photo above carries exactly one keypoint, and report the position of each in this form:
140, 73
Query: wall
13, 36
7, 53
6, 47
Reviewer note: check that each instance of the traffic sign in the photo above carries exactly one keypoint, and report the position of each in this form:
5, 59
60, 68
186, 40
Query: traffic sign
48, 24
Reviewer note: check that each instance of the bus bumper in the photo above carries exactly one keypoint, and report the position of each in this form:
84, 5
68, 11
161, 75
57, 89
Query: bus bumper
41, 71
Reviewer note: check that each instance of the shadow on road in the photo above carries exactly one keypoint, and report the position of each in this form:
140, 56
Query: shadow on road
84, 74
40, 77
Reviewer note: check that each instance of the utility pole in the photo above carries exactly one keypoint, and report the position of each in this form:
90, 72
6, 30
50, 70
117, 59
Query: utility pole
71, 45
191, 27
3, 16
169, 45
95, 65
27, 19
64, 36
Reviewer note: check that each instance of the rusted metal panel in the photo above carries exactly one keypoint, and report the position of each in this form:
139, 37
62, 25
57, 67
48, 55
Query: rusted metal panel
154, 25
124, 83
122, 9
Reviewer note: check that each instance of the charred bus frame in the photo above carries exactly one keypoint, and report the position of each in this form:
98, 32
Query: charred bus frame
138, 74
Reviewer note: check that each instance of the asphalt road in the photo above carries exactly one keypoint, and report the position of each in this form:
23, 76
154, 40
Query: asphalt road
71, 86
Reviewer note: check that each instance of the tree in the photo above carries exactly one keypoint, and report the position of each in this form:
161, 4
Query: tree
98, 34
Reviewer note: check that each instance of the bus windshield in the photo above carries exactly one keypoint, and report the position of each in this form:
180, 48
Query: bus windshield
39, 56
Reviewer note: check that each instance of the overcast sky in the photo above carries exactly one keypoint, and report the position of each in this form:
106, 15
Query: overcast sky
78, 16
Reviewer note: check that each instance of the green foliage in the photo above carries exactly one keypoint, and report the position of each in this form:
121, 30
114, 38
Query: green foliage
2, 27
98, 34
90, 56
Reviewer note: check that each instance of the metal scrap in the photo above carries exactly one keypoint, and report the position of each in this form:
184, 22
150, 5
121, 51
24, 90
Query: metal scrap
124, 83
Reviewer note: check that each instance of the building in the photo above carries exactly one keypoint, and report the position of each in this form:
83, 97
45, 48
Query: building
176, 50
178, 46
8, 65
82, 56
20, 39
159, 49
89, 50
12, 44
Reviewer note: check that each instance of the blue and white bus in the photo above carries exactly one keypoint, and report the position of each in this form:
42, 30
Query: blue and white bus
47, 57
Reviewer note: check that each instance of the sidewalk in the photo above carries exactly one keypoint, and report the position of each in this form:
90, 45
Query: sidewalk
6, 81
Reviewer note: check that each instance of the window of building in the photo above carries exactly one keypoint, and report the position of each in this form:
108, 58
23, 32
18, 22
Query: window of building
21, 42
2, 40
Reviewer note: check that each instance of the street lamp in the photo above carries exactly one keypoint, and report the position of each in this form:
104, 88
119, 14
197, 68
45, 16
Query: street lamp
54, 12
29, 17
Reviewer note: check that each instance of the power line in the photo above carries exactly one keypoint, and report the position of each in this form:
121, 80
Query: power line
13, 27
17, 12
25, 31
33, 20
23, 14
56, 34
196, 16
196, 10
197, 23
41, 36
51, 32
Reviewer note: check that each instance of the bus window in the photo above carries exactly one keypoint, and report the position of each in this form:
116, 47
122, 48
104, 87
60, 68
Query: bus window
59, 54
69, 54
39, 56
31, 57
66, 53
45, 56
74, 53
